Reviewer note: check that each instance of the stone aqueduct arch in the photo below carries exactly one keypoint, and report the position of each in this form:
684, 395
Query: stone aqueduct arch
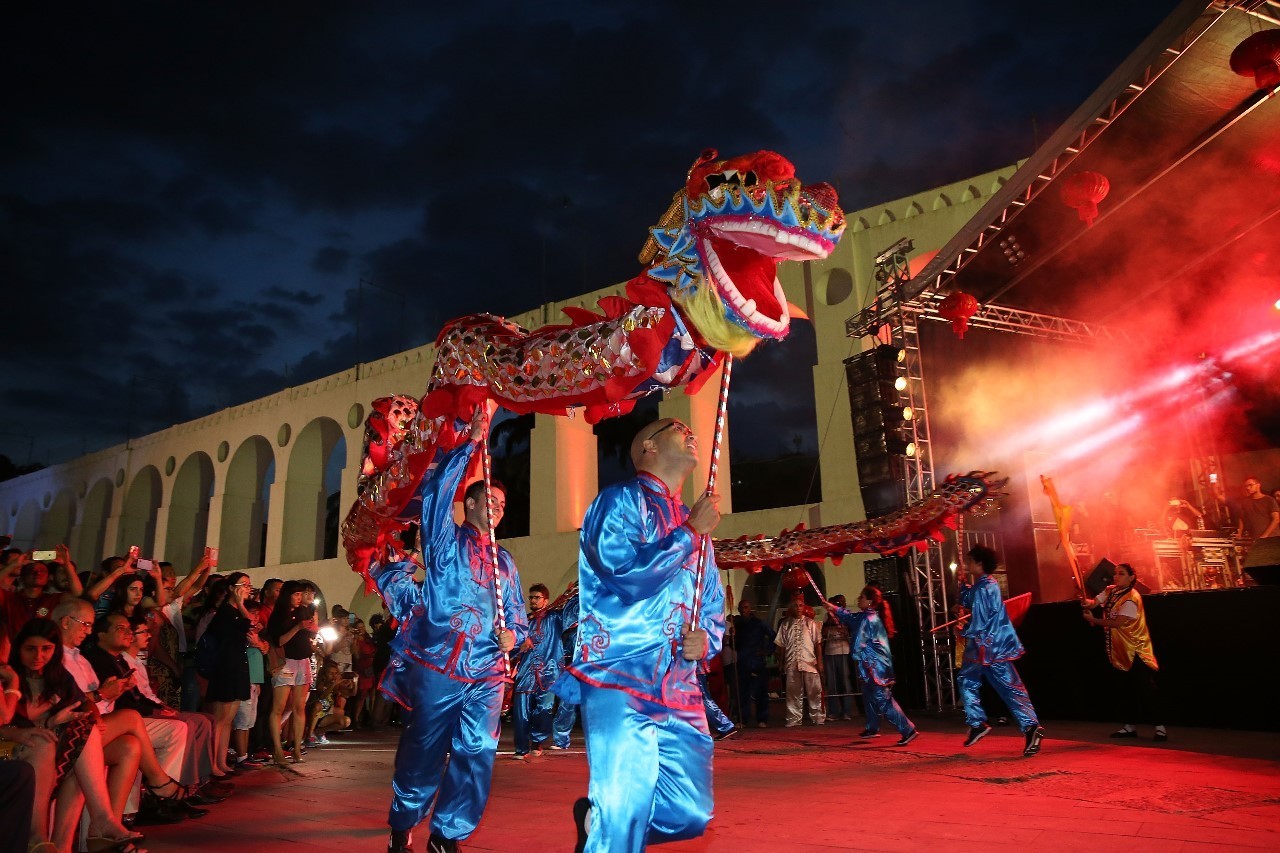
307, 491
141, 509
187, 530
57, 522
244, 505
96, 510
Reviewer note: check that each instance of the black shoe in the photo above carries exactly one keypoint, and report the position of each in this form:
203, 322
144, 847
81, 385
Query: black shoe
1161, 737
189, 809
580, 809
401, 841
1034, 736
977, 733
908, 737
440, 844
1125, 733
731, 733
152, 813
867, 734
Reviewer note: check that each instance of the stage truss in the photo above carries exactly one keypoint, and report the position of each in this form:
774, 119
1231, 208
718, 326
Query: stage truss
894, 317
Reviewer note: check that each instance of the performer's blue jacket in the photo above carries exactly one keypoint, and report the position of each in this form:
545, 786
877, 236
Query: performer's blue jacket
869, 645
540, 666
989, 636
636, 581
449, 622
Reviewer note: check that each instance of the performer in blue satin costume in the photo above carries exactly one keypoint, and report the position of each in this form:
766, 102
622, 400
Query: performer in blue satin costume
869, 648
447, 666
991, 647
634, 669
566, 712
539, 666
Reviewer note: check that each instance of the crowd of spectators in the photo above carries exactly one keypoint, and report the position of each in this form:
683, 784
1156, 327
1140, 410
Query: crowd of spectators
132, 697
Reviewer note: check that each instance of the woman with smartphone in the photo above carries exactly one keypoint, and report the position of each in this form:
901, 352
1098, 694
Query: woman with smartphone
229, 680
292, 628
50, 701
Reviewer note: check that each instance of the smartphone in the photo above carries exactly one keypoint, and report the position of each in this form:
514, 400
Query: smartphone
145, 565
212, 555
44, 556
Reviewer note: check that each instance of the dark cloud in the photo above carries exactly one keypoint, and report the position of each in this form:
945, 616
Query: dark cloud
188, 192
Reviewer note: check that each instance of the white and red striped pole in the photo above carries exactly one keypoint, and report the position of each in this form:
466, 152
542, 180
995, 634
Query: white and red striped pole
704, 542
487, 467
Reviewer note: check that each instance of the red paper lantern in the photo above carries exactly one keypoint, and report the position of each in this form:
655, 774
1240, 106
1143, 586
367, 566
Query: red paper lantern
1258, 56
958, 307
794, 580
1082, 192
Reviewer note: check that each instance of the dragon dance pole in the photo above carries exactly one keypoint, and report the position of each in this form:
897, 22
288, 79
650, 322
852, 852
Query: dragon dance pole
492, 550
704, 542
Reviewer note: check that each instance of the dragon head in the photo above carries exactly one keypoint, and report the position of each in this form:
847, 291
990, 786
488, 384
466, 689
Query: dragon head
719, 245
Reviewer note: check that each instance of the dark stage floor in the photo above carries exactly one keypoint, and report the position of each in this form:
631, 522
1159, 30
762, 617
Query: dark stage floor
817, 788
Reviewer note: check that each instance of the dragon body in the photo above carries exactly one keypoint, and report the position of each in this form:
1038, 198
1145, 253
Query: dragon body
709, 287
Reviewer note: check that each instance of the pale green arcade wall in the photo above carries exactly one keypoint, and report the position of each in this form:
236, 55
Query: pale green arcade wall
200, 482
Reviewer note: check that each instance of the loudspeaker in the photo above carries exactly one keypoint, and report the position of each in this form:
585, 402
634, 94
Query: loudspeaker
1100, 578
1263, 561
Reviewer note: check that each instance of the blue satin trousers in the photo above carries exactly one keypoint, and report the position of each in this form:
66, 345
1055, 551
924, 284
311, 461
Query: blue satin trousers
1004, 679
650, 771
880, 704
566, 714
531, 719
446, 754
716, 718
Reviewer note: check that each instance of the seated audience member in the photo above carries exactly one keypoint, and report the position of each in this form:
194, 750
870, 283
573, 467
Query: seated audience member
52, 712
197, 773
126, 744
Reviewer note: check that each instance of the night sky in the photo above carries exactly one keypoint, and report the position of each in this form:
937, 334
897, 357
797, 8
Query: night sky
191, 193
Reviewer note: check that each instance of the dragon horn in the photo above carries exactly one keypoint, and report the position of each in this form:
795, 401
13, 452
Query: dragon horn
674, 215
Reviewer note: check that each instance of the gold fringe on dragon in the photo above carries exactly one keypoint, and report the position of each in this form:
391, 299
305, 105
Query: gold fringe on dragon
709, 287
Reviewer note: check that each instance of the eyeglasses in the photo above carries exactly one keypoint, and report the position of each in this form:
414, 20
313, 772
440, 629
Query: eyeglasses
81, 621
242, 584
684, 429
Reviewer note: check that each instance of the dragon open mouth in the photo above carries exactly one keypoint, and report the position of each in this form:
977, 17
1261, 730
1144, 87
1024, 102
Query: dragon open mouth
747, 282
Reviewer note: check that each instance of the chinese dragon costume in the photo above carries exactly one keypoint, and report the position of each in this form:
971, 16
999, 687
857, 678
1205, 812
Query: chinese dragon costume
709, 288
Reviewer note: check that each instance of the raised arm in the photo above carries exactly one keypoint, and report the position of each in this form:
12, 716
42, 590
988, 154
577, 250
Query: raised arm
75, 588
104, 583
187, 586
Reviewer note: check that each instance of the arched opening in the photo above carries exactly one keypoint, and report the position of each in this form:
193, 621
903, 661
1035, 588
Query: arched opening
613, 440
88, 549
311, 482
773, 425
26, 525
242, 543
510, 447
188, 527
138, 518
59, 518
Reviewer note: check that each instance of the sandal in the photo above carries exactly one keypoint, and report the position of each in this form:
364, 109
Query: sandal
179, 792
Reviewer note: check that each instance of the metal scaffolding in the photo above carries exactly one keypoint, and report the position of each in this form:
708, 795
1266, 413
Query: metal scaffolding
897, 319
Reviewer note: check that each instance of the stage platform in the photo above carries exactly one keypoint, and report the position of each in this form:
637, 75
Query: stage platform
813, 789
1217, 652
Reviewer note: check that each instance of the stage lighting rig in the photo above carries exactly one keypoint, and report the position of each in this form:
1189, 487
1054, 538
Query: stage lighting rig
901, 247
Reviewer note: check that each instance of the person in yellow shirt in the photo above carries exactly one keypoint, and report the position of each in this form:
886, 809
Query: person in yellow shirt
1129, 650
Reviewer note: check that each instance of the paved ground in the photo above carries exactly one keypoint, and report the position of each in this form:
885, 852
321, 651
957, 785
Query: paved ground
815, 789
